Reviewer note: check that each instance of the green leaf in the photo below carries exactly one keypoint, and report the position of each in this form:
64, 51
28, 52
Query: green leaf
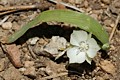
81, 20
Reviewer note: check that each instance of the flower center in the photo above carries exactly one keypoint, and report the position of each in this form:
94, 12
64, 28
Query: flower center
83, 46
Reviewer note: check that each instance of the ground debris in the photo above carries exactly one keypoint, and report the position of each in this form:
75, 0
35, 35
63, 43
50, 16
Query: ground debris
30, 72
108, 67
7, 25
2, 64
12, 74
56, 43
14, 54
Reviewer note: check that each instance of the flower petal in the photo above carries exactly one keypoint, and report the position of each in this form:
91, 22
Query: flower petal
75, 56
81, 57
77, 37
93, 48
88, 59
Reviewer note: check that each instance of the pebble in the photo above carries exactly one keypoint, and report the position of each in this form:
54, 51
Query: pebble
106, 1
33, 41
56, 43
99, 78
16, 26
7, 25
22, 69
28, 63
86, 4
12, 51
12, 74
2, 64
30, 72
108, 67
108, 22
95, 16
77, 1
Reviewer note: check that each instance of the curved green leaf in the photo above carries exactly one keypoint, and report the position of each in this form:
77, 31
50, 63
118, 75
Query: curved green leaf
81, 20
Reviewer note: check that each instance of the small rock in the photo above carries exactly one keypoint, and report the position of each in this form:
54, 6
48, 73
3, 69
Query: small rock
42, 41
28, 63
14, 54
22, 69
7, 25
2, 64
55, 44
16, 26
30, 72
12, 74
71, 1
77, 1
33, 41
108, 22
86, 4
108, 66
95, 16
106, 76
106, 1
99, 78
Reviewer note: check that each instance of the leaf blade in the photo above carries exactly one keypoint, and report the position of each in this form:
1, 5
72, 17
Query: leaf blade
81, 20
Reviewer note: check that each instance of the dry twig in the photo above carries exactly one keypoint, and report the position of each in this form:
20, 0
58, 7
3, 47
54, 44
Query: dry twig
17, 8
2, 21
67, 5
7, 10
114, 28
31, 51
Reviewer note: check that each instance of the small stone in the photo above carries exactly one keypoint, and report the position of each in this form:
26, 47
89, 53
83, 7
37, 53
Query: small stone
95, 16
106, 1
7, 25
99, 78
22, 69
77, 1
30, 72
12, 74
56, 43
107, 22
107, 66
28, 63
86, 4
106, 76
33, 41
71, 1
14, 54
16, 26
2, 64
42, 41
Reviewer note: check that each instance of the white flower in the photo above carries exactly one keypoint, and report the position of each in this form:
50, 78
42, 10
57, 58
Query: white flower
84, 47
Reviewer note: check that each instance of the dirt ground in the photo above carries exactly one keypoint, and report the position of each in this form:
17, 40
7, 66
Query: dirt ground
23, 60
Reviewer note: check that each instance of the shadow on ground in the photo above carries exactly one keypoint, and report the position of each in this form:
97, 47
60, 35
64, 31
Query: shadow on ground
45, 30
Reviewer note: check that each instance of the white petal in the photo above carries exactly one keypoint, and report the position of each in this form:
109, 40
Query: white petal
71, 53
75, 56
93, 48
81, 57
88, 59
77, 37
